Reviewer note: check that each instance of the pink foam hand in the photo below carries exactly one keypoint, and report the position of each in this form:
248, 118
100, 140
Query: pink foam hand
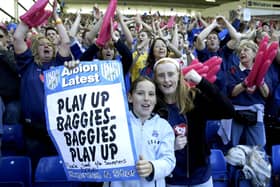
30, 20
203, 75
37, 21
213, 70
261, 52
259, 58
171, 22
202, 70
194, 61
105, 30
271, 51
213, 61
214, 65
195, 66
268, 57
34, 11
262, 73
251, 78
211, 78
263, 44
210, 61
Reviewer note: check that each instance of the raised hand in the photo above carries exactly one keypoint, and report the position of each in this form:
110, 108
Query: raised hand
264, 57
71, 64
208, 69
268, 57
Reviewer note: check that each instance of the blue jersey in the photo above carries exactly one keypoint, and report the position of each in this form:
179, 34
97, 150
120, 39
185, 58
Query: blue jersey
235, 76
32, 86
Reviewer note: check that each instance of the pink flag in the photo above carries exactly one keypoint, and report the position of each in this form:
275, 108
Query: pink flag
37, 11
171, 22
105, 30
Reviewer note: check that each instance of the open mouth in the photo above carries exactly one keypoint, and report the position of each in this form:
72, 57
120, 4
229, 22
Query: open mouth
146, 106
162, 53
167, 85
242, 57
108, 56
47, 51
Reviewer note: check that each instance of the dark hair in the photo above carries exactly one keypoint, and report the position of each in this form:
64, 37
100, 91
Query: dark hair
50, 28
216, 32
181, 33
265, 23
151, 57
111, 45
138, 80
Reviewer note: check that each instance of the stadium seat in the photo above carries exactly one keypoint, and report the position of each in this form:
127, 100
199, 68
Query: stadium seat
211, 131
275, 162
212, 137
275, 159
12, 139
219, 168
15, 171
50, 173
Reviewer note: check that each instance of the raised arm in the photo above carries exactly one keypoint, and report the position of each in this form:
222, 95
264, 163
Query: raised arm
63, 48
125, 30
202, 21
144, 25
234, 35
19, 44
200, 44
175, 39
126, 55
75, 26
92, 34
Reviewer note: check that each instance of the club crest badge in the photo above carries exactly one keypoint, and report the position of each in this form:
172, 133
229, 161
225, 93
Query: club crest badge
52, 79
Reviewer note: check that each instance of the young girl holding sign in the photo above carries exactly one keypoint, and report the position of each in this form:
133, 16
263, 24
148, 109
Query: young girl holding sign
153, 137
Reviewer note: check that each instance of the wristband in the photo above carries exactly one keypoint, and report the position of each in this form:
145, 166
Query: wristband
58, 21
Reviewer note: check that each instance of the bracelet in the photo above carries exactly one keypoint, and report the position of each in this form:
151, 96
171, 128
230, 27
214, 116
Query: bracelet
58, 21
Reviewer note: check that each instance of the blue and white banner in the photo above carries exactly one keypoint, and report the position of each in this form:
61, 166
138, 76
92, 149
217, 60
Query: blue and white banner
86, 111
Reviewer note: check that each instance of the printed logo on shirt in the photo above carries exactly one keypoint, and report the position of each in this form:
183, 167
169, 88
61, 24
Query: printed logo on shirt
153, 142
41, 77
181, 129
155, 133
233, 70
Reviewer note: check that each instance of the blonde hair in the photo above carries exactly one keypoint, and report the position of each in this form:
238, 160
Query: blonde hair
34, 47
184, 94
249, 44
